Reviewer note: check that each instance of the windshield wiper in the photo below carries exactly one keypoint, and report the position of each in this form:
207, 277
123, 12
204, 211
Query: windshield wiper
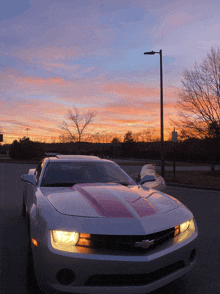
63, 184
124, 183
121, 183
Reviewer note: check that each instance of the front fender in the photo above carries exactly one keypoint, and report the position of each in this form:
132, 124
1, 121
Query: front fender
38, 226
33, 221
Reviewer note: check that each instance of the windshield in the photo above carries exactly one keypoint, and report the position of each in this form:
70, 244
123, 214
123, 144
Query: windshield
61, 174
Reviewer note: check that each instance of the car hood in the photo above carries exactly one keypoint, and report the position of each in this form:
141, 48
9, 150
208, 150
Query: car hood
109, 200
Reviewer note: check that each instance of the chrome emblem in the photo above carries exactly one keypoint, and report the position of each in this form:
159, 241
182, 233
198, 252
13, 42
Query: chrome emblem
144, 244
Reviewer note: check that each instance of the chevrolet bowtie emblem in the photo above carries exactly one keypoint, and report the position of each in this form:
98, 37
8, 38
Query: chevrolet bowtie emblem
144, 244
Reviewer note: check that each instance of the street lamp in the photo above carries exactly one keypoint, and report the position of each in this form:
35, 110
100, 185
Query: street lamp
161, 109
27, 129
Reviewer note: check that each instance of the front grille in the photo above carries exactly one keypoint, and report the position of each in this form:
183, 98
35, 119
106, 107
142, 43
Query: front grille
127, 243
134, 280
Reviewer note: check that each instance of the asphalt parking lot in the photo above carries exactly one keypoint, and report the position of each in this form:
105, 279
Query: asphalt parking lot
204, 279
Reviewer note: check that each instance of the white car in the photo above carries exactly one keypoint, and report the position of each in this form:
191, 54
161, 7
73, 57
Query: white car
94, 230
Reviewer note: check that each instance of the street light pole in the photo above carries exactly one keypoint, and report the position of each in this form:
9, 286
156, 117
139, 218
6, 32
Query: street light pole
161, 110
27, 129
161, 116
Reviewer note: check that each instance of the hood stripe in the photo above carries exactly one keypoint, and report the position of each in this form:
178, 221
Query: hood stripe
142, 207
105, 204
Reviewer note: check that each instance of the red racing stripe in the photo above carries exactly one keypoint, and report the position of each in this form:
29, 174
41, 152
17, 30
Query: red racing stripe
142, 207
104, 203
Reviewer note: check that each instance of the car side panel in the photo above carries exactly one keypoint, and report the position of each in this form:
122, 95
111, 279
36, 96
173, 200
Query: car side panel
30, 196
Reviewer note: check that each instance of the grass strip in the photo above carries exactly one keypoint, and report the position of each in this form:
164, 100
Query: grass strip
195, 178
158, 163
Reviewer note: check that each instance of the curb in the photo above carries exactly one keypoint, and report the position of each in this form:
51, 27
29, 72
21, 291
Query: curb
193, 187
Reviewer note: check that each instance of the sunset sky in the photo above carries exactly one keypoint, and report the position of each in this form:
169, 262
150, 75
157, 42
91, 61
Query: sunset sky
89, 53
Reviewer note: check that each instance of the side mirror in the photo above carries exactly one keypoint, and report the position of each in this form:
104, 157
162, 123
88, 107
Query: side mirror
147, 178
32, 171
29, 179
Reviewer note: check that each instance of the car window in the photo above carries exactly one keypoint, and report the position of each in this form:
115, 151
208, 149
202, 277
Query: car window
38, 171
70, 173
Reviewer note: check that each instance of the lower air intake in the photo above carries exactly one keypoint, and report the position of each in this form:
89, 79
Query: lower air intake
133, 280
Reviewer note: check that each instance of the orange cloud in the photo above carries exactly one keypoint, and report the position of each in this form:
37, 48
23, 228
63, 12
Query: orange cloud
129, 90
129, 121
137, 108
47, 81
134, 110
138, 90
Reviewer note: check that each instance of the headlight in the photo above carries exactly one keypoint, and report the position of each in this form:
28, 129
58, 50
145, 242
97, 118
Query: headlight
65, 238
70, 241
184, 226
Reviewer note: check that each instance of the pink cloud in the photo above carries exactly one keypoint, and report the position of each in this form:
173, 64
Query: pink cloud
38, 54
173, 22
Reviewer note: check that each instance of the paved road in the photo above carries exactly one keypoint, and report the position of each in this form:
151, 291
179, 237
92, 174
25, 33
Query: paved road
13, 232
204, 279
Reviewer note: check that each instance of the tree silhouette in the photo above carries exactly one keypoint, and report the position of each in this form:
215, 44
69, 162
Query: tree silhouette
76, 124
199, 98
129, 143
128, 138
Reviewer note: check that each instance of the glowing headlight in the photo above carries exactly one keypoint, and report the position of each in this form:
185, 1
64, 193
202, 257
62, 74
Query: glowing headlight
65, 238
184, 226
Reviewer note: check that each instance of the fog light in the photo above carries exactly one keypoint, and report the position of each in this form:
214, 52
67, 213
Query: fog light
192, 255
65, 276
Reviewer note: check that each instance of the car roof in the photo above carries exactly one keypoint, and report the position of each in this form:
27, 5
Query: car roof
81, 158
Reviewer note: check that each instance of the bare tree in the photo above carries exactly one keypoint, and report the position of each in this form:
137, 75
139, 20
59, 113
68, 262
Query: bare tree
137, 137
103, 137
199, 98
146, 136
76, 124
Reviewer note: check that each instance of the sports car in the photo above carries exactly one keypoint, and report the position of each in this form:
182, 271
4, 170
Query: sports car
93, 229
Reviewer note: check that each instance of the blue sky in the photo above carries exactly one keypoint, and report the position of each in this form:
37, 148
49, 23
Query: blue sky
58, 53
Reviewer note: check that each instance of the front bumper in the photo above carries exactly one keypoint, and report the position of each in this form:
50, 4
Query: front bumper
114, 273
